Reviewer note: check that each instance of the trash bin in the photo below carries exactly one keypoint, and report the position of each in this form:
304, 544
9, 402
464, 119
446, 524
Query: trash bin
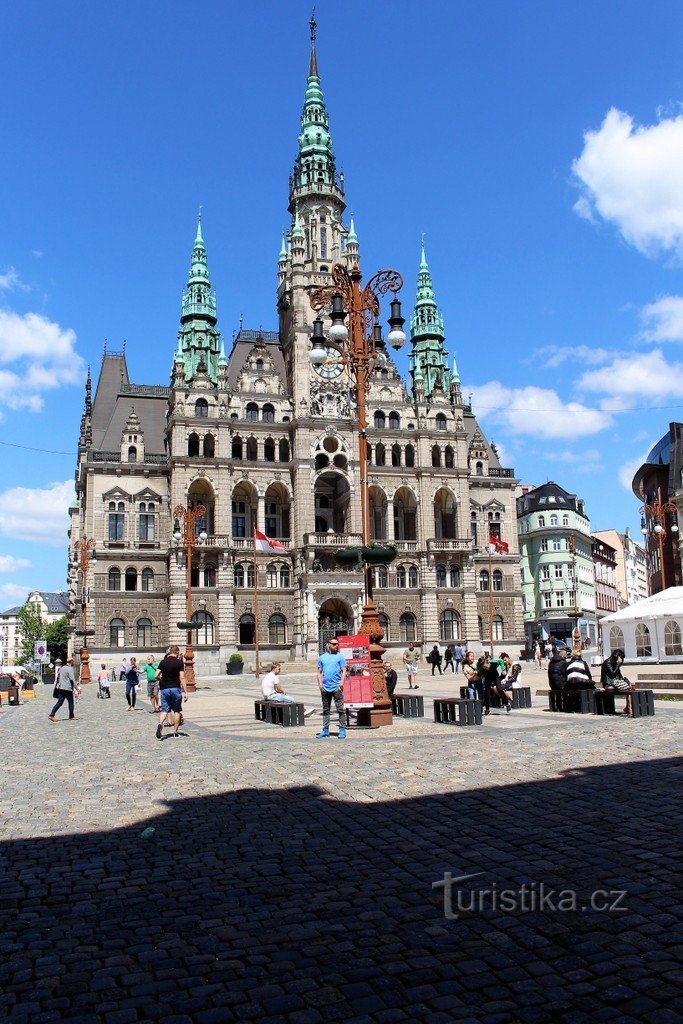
13, 695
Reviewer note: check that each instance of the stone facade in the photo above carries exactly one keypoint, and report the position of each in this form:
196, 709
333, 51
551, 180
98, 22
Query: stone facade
266, 441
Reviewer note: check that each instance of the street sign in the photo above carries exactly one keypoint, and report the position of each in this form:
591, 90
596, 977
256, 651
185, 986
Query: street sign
40, 652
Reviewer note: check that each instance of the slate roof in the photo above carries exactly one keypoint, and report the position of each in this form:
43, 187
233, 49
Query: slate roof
242, 346
11, 611
114, 399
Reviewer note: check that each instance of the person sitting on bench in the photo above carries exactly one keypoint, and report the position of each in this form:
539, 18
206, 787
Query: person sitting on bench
557, 670
274, 692
612, 679
578, 673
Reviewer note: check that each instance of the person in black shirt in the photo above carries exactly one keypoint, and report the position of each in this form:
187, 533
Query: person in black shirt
172, 690
391, 678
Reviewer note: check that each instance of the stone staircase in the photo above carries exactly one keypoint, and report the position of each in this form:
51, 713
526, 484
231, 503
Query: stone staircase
666, 685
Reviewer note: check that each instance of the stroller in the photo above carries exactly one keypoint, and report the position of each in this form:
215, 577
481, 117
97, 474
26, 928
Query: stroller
103, 689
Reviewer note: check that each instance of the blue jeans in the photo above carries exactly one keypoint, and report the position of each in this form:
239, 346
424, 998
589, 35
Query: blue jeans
64, 695
131, 693
280, 698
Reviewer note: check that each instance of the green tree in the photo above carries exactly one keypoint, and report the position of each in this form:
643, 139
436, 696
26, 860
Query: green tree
56, 636
31, 628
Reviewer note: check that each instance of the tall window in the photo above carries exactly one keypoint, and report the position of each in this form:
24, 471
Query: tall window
541, 522
545, 572
116, 520
201, 408
131, 578
394, 421
379, 420
643, 642
269, 450
497, 580
114, 579
484, 579
285, 577
544, 544
449, 625
412, 577
401, 577
117, 633
410, 455
498, 627
132, 454
455, 575
396, 455
436, 456
238, 575
204, 634
441, 575
473, 528
323, 243
385, 625
252, 412
449, 457
672, 638
407, 627
209, 574
382, 577
271, 575
268, 414
237, 447
440, 421
146, 518
239, 518
283, 450
147, 579
277, 629
144, 633
380, 455
557, 544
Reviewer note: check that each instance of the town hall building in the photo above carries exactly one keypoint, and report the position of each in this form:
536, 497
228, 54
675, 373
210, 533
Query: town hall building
265, 440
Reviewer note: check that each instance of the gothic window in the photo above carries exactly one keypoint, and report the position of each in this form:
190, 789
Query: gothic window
193, 446
408, 628
131, 578
114, 579
448, 457
323, 243
449, 625
396, 455
116, 520
117, 633
285, 577
201, 408
268, 414
146, 521
473, 527
410, 455
380, 455
269, 450
498, 627
401, 577
284, 450
132, 454
204, 635
144, 633
441, 575
147, 579
252, 450
277, 629
238, 576
209, 446
484, 579
394, 421
436, 455
412, 577
440, 421
497, 579
321, 461
271, 576
209, 574
379, 420
455, 575
252, 412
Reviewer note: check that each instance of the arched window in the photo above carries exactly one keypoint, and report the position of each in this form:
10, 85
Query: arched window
380, 455
440, 421
271, 575
201, 408
268, 413
479, 469
441, 575
410, 455
116, 521
379, 420
401, 577
277, 629
436, 455
407, 628
209, 574
209, 446
394, 421
250, 575
194, 574
252, 450
498, 627
449, 625
204, 635
285, 577
117, 633
283, 450
114, 579
269, 450
672, 638
322, 461
616, 638
565, 520
382, 577
259, 365
237, 447
385, 625
448, 457
497, 579
193, 446
147, 580
252, 412
246, 629
131, 578
541, 522
396, 455
412, 577
238, 576
132, 454
643, 642
553, 520
484, 579
144, 627
455, 575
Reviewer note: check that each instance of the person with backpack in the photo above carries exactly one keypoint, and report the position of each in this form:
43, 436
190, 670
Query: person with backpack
435, 658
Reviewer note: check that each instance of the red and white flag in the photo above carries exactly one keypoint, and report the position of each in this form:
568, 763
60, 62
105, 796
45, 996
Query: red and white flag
498, 546
263, 543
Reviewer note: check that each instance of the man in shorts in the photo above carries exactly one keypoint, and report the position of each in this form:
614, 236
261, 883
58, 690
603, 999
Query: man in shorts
411, 659
172, 689
150, 670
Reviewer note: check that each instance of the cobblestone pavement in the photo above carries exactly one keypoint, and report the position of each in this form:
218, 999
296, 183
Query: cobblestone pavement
289, 879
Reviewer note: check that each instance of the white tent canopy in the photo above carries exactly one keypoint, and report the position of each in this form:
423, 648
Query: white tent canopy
647, 631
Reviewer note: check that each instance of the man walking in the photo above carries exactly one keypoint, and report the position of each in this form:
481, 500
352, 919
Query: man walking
411, 658
65, 684
458, 657
172, 689
331, 679
150, 670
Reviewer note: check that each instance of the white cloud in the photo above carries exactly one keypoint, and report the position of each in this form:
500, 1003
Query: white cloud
589, 461
37, 514
580, 355
8, 563
10, 280
12, 594
638, 376
538, 412
663, 319
631, 175
628, 470
38, 356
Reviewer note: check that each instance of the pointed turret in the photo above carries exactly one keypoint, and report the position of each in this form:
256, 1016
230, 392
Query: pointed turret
352, 242
428, 354
198, 339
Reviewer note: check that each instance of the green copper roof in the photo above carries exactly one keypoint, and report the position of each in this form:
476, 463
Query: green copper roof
315, 160
352, 237
428, 358
283, 249
198, 340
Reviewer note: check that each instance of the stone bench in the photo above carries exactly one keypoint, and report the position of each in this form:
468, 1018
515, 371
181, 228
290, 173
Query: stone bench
279, 714
642, 702
408, 705
577, 702
454, 711
521, 697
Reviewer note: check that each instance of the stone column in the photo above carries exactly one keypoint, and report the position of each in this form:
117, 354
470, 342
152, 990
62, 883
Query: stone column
261, 514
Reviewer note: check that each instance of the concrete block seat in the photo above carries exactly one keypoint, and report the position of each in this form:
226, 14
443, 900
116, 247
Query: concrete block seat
576, 702
521, 697
457, 711
408, 705
642, 702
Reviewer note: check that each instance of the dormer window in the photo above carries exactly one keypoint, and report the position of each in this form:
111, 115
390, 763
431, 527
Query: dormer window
132, 454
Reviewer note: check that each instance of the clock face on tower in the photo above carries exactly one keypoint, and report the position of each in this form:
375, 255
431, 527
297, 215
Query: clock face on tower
332, 366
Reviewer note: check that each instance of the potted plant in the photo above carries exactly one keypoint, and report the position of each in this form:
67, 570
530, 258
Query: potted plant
234, 665
374, 553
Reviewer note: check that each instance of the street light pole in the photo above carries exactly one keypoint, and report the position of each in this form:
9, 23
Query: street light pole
85, 555
185, 537
361, 348
657, 512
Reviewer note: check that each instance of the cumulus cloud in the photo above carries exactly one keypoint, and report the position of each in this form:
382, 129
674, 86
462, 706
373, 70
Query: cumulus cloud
640, 375
538, 412
630, 175
663, 319
581, 355
36, 355
37, 514
8, 563
589, 461
13, 594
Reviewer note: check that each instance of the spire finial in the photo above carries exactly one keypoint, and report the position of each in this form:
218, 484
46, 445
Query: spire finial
199, 239
423, 258
313, 66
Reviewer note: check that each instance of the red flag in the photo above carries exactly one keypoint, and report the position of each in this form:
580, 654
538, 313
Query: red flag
263, 543
498, 546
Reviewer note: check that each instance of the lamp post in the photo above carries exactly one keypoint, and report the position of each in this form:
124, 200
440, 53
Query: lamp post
656, 512
185, 536
360, 347
84, 550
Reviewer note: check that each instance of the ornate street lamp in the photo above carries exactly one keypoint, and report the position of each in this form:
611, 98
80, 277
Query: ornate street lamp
84, 556
184, 534
361, 348
655, 512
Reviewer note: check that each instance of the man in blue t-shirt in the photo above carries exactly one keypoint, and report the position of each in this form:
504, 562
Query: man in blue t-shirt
331, 677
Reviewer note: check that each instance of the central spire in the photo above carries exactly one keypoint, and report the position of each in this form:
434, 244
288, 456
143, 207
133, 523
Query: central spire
429, 358
198, 340
313, 64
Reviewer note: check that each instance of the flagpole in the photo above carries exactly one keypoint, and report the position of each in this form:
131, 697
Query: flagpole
491, 596
256, 623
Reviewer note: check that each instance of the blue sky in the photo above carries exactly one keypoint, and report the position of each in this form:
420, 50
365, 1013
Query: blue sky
538, 146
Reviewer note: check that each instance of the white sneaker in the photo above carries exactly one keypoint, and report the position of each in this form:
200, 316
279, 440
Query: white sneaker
309, 712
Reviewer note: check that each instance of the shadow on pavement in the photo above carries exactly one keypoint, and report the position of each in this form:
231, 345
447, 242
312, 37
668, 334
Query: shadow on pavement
290, 905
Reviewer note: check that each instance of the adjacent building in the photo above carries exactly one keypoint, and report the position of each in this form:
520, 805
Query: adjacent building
263, 439
605, 577
659, 485
556, 559
9, 635
631, 565
51, 606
